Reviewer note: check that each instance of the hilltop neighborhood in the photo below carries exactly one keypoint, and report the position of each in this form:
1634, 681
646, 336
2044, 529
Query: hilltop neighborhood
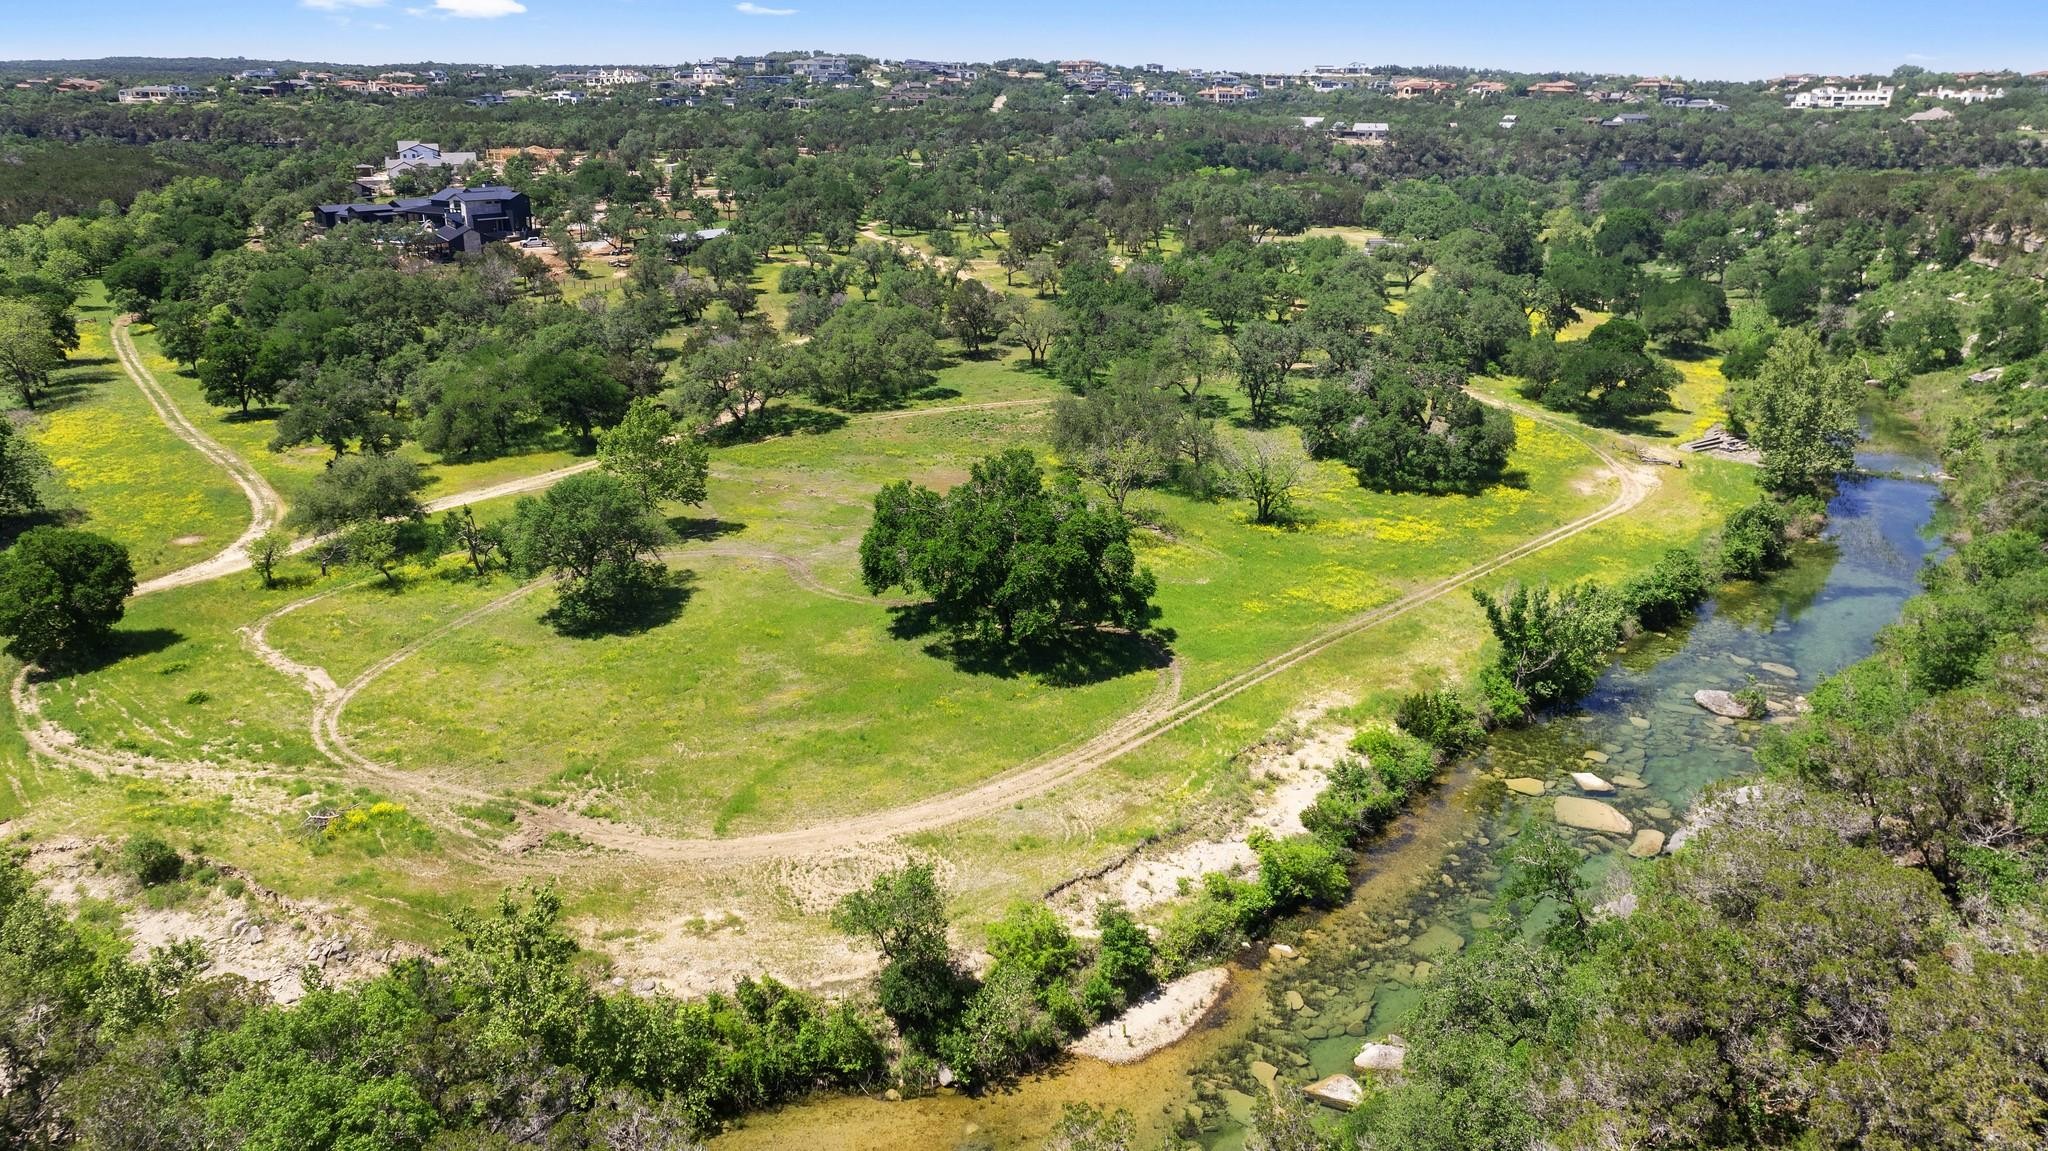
795, 79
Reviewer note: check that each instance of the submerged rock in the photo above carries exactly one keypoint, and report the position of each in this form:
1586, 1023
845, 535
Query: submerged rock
1780, 669
1523, 785
1593, 784
1592, 815
1649, 841
1437, 941
1596, 757
1237, 1105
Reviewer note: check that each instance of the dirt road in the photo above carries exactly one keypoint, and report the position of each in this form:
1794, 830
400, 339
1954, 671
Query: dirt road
266, 509
1161, 713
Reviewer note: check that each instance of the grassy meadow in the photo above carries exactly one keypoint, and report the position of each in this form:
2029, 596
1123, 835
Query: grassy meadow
763, 704
119, 471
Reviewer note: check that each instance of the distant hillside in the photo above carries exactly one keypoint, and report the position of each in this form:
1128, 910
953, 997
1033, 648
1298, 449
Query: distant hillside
63, 179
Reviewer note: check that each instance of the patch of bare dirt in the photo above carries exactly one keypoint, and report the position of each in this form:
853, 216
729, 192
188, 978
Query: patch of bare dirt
266, 938
1286, 773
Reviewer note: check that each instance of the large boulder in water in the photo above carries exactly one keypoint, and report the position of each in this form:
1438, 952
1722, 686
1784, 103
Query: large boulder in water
1721, 703
1339, 1091
1383, 1058
1592, 815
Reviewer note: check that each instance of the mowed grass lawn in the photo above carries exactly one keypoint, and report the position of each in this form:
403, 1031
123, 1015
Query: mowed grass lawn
292, 470
120, 469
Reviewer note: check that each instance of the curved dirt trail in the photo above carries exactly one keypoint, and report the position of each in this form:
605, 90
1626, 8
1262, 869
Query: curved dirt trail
1134, 731
266, 509
1161, 713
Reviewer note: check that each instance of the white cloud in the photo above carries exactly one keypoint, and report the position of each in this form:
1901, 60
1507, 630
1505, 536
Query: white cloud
753, 9
339, 5
478, 9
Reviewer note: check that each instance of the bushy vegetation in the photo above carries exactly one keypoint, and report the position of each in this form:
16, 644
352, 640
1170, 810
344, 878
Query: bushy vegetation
1005, 557
1043, 987
1854, 939
501, 1037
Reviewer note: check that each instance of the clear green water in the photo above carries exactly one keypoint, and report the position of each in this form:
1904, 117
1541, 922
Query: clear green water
1426, 889
1357, 975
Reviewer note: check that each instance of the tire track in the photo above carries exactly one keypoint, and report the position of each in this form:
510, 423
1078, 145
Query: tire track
1162, 712
266, 508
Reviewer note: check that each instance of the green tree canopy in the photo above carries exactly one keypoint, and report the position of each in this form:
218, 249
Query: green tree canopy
1006, 557
1408, 427
655, 455
1800, 412
597, 534
61, 593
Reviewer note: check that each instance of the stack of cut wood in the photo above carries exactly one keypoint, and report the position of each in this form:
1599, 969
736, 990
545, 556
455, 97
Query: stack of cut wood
1718, 439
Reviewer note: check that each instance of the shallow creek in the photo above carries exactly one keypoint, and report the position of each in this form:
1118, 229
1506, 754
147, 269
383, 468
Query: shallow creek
1428, 887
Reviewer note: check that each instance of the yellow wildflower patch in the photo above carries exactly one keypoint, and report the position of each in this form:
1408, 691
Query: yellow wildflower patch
1330, 587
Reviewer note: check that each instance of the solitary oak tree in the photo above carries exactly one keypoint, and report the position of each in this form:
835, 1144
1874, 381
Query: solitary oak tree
1005, 557
61, 593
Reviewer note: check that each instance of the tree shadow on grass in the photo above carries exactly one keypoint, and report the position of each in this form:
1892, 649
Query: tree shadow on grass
703, 529
75, 385
253, 415
1074, 660
122, 644
776, 421
661, 606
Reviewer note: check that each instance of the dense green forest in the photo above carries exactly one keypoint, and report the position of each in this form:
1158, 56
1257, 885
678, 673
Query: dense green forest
1848, 951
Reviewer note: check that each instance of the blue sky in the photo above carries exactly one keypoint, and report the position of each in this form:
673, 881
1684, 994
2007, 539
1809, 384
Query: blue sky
1728, 39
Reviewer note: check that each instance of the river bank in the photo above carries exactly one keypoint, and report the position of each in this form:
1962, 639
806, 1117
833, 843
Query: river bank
1428, 888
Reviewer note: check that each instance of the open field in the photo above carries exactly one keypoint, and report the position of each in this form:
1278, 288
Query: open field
122, 471
780, 696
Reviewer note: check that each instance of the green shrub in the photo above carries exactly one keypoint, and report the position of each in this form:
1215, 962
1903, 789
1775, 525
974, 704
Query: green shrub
1354, 805
1504, 702
1123, 963
1301, 871
1753, 541
1402, 761
1217, 921
1031, 937
1753, 699
1667, 592
1002, 1031
1943, 640
150, 860
1440, 719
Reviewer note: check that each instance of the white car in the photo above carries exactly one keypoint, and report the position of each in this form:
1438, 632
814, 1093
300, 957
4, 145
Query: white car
533, 242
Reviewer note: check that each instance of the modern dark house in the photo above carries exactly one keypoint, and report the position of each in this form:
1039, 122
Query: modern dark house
460, 219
